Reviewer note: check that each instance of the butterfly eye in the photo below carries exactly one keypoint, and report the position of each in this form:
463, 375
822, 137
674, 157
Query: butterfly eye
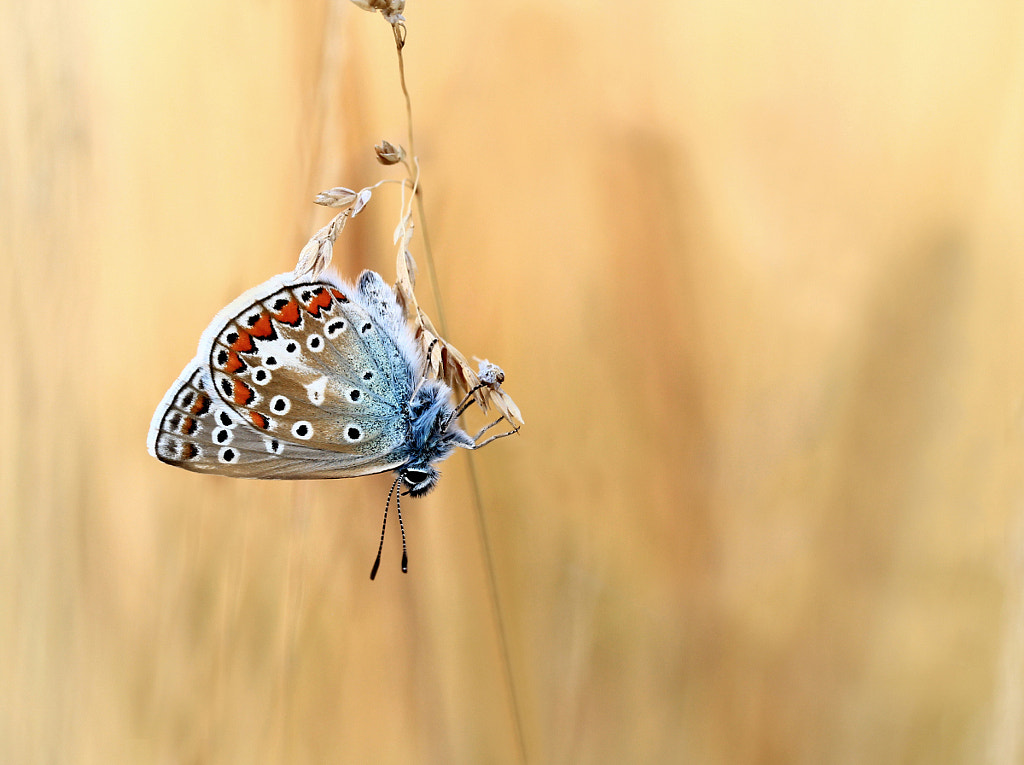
415, 477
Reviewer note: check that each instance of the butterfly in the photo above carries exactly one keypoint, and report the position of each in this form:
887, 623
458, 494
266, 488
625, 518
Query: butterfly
312, 378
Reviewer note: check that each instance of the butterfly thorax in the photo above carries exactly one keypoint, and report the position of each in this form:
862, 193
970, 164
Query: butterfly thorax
433, 435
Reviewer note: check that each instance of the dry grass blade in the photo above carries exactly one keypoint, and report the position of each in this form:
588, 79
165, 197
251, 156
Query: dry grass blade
444, 360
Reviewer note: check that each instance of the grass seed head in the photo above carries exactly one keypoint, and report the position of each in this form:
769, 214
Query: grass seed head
388, 153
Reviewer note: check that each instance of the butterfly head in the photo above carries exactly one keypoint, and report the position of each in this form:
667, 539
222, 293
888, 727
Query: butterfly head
433, 436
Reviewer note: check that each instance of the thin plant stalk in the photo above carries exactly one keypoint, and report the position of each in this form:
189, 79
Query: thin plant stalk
496, 609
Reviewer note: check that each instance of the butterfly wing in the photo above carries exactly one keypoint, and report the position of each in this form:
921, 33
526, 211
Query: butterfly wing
292, 380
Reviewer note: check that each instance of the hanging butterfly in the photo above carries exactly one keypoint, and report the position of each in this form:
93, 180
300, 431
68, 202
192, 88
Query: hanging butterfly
312, 378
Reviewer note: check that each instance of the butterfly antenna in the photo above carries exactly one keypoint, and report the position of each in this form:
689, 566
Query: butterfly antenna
405, 555
383, 526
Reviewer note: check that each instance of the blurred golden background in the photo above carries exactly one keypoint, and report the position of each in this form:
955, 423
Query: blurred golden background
754, 271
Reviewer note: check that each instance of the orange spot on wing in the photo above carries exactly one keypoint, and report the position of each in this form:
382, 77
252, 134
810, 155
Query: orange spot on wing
290, 313
243, 393
201, 405
263, 328
259, 420
188, 426
244, 342
322, 299
339, 295
189, 451
234, 363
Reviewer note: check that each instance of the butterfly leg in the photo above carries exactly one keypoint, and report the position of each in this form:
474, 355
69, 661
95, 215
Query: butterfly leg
467, 401
487, 427
482, 444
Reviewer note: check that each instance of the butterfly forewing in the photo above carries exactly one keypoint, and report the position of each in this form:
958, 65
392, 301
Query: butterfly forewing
300, 382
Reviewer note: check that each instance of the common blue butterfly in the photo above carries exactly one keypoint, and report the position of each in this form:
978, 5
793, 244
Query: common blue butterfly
306, 377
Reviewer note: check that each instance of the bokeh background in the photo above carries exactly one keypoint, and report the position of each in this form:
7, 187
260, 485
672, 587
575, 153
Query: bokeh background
754, 271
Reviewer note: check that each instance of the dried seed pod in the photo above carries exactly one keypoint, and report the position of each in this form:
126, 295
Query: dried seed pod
391, 9
319, 250
339, 196
388, 153
361, 199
